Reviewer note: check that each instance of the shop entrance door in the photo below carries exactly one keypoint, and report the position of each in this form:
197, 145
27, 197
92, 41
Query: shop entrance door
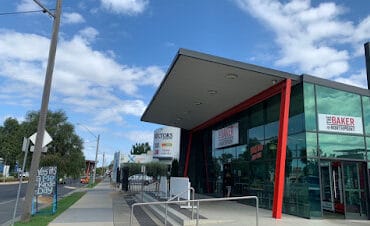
343, 188
355, 192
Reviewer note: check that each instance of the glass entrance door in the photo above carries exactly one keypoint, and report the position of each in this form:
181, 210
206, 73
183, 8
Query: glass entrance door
332, 196
354, 182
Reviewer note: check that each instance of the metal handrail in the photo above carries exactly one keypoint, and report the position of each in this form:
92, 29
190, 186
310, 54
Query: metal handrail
178, 199
178, 195
198, 201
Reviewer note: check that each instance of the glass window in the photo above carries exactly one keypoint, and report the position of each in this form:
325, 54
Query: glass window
273, 108
309, 106
311, 143
256, 116
296, 100
313, 182
256, 133
296, 119
296, 124
368, 148
336, 102
230, 153
366, 105
296, 146
341, 146
271, 130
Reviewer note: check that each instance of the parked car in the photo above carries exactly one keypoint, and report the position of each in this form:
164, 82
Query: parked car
140, 178
62, 180
24, 174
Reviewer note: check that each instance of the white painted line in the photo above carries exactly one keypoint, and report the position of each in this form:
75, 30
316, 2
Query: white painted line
9, 201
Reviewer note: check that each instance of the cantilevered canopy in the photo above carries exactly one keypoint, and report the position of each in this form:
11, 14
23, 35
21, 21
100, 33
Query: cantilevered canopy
198, 87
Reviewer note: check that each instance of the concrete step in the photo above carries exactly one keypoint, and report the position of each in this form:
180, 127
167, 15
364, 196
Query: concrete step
174, 215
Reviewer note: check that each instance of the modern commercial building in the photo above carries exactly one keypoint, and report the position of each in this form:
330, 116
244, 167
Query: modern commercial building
298, 142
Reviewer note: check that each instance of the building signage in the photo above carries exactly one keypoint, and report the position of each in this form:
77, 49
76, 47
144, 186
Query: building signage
340, 124
166, 143
46, 180
227, 136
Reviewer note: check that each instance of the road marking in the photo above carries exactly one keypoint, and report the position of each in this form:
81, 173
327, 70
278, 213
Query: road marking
2, 203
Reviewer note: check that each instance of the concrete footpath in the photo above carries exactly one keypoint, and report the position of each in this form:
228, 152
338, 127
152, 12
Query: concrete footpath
100, 206
104, 206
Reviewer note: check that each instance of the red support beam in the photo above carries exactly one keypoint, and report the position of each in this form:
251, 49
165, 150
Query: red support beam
277, 206
188, 150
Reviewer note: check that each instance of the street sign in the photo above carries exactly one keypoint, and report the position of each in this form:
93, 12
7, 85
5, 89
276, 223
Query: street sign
44, 149
46, 141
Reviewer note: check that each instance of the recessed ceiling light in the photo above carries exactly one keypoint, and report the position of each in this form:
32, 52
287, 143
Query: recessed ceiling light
231, 76
178, 118
212, 92
197, 103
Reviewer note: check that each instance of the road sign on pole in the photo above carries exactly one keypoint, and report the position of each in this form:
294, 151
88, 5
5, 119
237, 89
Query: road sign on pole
47, 138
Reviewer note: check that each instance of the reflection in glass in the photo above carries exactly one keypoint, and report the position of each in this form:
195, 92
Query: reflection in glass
309, 106
366, 106
341, 146
311, 143
296, 146
336, 102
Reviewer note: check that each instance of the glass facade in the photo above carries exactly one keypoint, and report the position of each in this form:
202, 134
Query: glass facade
311, 151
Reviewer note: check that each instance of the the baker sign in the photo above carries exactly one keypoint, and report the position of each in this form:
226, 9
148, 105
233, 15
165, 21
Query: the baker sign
227, 136
340, 124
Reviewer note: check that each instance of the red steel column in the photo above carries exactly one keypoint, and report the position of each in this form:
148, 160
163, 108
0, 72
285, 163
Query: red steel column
281, 151
188, 155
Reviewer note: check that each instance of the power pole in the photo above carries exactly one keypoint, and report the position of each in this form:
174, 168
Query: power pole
26, 213
96, 158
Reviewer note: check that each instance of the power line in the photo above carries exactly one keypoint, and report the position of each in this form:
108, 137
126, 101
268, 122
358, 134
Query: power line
22, 12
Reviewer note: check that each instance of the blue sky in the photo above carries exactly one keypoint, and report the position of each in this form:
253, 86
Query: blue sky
113, 54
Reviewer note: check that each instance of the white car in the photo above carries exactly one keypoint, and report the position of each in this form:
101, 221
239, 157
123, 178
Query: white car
24, 174
140, 178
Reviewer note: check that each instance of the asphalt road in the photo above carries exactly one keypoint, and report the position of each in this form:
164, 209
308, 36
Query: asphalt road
8, 195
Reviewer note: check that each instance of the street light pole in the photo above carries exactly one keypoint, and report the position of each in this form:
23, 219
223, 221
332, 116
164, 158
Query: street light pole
26, 213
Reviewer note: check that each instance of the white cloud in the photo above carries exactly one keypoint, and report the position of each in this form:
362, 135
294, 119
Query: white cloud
308, 36
86, 80
89, 33
72, 18
128, 7
359, 80
138, 136
27, 5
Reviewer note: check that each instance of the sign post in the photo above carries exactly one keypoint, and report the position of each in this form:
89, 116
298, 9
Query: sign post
25, 145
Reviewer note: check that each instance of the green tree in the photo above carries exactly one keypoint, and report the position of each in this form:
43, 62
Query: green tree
65, 151
10, 141
141, 148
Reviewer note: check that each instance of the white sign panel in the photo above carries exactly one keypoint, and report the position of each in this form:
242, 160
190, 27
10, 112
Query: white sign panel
340, 124
46, 141
227, 136
166, 143
46, 180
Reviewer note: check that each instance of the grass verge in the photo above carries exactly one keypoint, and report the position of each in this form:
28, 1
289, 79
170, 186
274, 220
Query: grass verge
45, 219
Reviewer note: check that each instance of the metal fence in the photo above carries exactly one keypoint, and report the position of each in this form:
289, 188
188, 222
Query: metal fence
142, 187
